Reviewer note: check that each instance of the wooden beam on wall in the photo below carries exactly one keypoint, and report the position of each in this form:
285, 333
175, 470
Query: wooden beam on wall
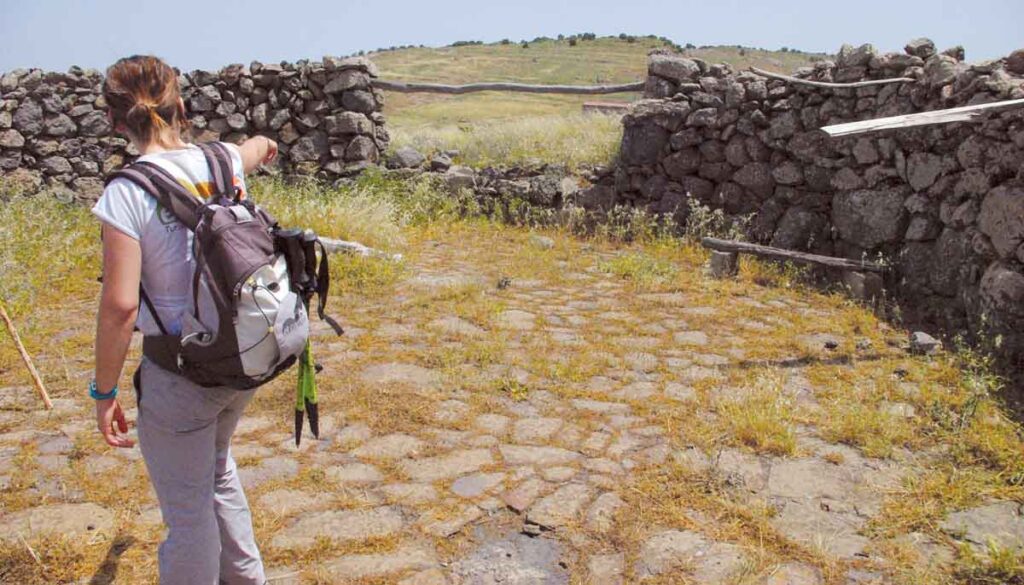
961, 114
830, 85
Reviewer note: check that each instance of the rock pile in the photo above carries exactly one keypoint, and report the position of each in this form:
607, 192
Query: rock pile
325, 116
944, 203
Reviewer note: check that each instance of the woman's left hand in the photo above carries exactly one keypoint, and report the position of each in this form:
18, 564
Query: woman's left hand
112, 424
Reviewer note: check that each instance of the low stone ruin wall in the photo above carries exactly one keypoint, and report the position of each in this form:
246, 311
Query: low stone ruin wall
943, 203
325, 116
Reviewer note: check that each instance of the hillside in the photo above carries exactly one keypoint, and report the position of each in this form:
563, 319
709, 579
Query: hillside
497, 127
603, 60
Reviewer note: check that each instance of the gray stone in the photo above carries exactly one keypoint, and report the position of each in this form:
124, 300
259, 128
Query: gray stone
407, 557
388, 447
600, 517
346, 80
540, 456
923, 344
798, 229
674, 550
512, 559
869, 218
28, 118
446, 466
447, 523
642, 143
922, 170
459, 177
1003, 290
475, 485
397, 373
406, 158
807, 523
922, 47
1002, 219
410, 494
535, 431
268, 470
11, 139
1015, 62
456, 326
361, 148
999, 522
561, 507
73, 521
793, 573
354, 473
358, 100
673, 67
339, 526
606, 569
757, 177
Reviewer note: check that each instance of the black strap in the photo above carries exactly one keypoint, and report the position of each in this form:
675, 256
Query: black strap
323, 284
145, 299
152, 309
221, 170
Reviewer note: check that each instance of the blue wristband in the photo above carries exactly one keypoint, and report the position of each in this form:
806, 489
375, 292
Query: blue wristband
95, 394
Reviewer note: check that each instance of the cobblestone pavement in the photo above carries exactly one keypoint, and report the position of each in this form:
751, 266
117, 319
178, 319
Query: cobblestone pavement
568, 428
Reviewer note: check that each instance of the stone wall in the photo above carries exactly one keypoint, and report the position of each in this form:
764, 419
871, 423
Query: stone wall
324, 115
944, 203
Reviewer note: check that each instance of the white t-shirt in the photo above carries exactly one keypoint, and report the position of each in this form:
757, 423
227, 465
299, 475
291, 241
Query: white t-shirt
167, 261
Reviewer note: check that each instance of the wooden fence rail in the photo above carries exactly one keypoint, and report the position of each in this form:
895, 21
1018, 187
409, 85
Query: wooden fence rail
412, 87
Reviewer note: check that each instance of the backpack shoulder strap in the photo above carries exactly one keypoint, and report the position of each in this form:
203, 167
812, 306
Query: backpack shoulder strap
221, 170
172, 195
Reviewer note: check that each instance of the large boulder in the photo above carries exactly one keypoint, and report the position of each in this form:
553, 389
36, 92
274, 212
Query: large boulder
673, 67
1015, 62
1003, 290
642, 143
28, 118
870, 218
406, 157
1002, 219
921, 47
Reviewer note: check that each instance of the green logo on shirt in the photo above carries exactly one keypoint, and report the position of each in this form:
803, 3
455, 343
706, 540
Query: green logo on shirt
165, 215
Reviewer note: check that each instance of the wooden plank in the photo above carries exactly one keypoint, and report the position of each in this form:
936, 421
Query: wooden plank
790, 255
334, 246
40, 388
613, 108
403, 87
830, 85
961, 114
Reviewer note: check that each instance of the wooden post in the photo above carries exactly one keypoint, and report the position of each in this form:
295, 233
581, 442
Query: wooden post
724, 264
25, 358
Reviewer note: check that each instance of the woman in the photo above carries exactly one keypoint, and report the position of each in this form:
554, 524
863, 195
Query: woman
184, 430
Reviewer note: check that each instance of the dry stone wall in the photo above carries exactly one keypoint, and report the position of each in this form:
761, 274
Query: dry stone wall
325, 116
945, 203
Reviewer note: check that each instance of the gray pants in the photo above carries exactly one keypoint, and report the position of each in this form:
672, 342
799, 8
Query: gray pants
185, 433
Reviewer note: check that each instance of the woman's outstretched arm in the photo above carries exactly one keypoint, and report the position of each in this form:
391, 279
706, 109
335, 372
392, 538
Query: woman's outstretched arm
256, 151
119, 305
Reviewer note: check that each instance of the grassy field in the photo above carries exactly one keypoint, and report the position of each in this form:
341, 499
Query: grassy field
547, 122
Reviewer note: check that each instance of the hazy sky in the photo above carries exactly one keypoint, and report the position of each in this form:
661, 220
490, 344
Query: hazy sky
54, 34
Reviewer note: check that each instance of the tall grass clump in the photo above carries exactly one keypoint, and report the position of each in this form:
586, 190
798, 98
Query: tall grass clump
49, 252
571, 139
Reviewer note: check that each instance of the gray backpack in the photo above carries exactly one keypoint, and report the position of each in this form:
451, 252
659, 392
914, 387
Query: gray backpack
247, 316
